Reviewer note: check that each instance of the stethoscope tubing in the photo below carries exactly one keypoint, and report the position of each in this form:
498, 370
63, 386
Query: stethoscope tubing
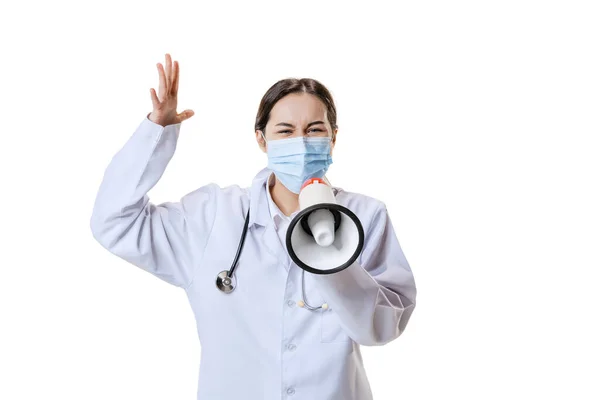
226, 282
240, 245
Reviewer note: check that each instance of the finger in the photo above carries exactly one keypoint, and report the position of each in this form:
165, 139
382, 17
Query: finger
162, 83
155, 101
172, 72
175, 87
185, 115
168, 70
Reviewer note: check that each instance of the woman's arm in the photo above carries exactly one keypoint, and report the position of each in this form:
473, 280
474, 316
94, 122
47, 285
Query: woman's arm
156, 238
374, 297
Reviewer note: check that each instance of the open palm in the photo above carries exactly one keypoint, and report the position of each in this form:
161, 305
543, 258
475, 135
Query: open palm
164, 110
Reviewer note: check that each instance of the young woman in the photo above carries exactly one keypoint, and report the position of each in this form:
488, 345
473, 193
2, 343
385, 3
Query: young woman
281, 333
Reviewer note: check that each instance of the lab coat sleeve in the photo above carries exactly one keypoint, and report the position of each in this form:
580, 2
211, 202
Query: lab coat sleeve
375, 296
155, 237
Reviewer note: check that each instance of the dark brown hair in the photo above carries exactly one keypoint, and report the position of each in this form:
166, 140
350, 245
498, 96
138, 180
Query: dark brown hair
293, 85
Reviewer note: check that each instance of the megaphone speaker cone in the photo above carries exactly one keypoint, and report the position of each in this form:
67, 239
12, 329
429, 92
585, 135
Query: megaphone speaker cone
325, 238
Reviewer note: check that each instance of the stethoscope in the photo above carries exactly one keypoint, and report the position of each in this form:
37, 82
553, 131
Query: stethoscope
226, 281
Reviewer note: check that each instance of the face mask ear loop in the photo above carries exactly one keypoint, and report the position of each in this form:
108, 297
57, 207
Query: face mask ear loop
264, 138
324, 177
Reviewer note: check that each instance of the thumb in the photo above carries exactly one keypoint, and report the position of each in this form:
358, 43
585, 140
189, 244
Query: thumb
185, 115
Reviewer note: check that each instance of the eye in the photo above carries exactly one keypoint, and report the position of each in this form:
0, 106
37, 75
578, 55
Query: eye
317, 130
285, 131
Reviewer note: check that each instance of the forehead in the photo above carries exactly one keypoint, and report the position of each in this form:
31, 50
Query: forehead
299, 108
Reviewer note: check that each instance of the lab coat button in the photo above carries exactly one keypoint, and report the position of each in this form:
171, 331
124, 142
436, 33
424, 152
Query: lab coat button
291, 303
291, 347
291, 391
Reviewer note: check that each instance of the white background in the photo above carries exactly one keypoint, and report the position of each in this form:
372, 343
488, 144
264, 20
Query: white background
477, 123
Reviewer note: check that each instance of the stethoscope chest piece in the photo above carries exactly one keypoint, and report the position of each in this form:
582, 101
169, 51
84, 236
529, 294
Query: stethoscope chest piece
225, 283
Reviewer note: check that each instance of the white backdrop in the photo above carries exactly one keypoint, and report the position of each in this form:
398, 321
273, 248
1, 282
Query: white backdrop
476, 122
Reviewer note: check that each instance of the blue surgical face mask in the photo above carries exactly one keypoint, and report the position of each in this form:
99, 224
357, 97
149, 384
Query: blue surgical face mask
295, 160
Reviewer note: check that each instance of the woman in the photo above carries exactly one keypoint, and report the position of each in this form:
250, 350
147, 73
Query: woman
261, 341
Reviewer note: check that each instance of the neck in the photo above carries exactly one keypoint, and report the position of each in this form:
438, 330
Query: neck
286, 200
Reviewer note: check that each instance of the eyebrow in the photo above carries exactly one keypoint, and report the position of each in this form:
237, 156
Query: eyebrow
308, 126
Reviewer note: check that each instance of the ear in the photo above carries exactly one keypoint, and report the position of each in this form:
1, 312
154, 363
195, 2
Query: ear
333, 137
261, 140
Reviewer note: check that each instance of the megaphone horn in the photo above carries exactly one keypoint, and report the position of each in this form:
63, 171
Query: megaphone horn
325, 237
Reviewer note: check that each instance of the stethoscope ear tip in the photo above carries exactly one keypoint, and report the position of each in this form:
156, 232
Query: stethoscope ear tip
302, 304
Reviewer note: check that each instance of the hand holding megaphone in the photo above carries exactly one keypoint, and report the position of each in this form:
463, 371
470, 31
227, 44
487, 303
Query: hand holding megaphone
324, 237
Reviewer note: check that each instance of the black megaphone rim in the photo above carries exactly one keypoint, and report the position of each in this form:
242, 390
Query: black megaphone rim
326, 206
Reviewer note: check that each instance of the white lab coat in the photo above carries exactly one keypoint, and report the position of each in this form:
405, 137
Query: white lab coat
256, 342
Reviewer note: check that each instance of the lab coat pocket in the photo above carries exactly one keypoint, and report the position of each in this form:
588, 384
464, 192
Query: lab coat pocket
331, 329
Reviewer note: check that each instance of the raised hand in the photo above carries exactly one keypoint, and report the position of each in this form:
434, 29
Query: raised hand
164, 110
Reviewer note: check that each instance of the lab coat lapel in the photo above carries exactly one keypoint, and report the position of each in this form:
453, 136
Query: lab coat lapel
273, 245
260, 218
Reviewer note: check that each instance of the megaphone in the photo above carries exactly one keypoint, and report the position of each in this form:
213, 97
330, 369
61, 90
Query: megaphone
324, 237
